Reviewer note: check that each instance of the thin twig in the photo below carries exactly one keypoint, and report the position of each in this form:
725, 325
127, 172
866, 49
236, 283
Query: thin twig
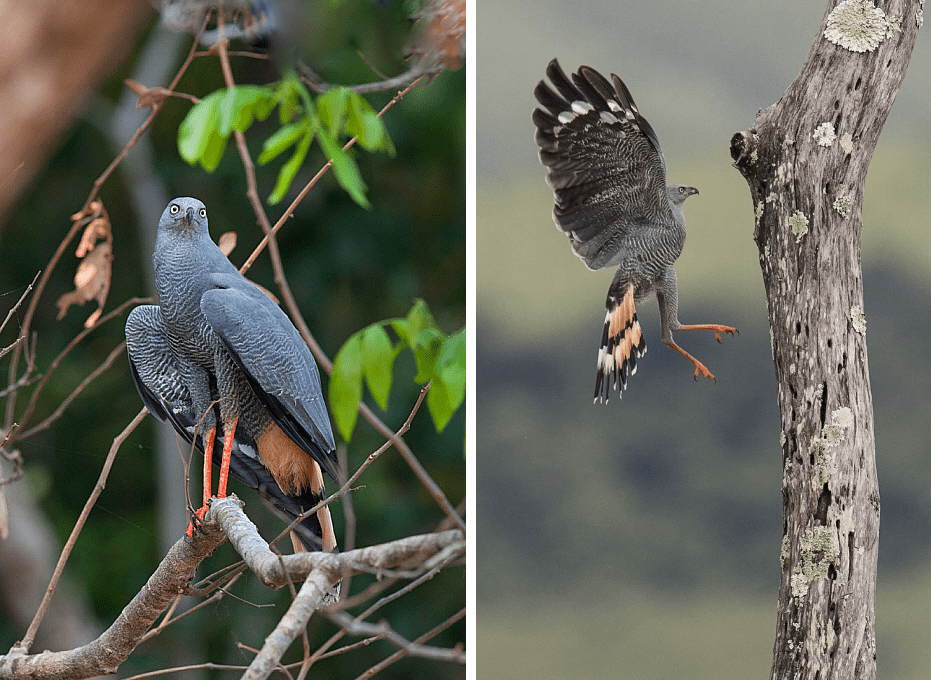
303, 192
56, 362
343, 619
19, 302
398, 655
56, 414
347, 485
407, 79
30, 635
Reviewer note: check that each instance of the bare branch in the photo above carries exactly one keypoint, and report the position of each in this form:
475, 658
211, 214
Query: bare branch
56, 362
30, 636
265, 564
93, 375
105, 654
409, 648
433, 632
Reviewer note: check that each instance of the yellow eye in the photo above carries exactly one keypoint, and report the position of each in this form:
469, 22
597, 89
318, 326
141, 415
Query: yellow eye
174, 209
203, 212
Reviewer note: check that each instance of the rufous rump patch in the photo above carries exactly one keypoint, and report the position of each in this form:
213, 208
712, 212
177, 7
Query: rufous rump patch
295, 471
288, 463
623, 315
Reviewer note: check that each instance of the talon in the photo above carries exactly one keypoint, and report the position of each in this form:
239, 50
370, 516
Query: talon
197, 520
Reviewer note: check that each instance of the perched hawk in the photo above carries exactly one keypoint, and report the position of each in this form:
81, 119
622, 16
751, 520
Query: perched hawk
226, 367
608, 177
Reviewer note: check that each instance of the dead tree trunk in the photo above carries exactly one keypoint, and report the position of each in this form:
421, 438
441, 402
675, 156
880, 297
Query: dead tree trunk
805, 159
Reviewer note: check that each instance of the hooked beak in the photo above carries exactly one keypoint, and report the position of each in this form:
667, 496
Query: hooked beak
189, 216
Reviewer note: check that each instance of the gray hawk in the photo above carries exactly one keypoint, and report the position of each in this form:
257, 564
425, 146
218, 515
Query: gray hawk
219, 360
608, 176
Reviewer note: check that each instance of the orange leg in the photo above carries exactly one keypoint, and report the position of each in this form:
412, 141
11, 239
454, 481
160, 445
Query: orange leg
717, 328
227, 454
208, 448
699, 366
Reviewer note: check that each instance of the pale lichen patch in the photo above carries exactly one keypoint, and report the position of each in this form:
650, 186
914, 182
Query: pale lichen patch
858, 319
798, 223
818, 550
842, 202
842, 416
821, 449
893, 25
846, 143
857, 25
824, 134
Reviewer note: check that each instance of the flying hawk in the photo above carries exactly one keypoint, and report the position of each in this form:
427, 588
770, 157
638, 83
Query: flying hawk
608, 176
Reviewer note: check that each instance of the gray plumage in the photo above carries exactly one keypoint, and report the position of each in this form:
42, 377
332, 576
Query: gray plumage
608, 176
216, 349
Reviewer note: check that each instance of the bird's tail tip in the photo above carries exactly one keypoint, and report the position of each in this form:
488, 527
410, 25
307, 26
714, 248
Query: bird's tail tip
622, 343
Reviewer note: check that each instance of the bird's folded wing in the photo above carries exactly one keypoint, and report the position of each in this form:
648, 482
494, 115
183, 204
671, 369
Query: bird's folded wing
157, 379
264, 343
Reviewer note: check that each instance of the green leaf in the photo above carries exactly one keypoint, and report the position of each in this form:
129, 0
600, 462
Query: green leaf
331, 107
378, 357
439, 403
417, 319
211, 155
346, 386
364, 124
285, 137
288, 98
399, 326
451, 367
426, 351
198, 128
241, 105
289, 170
345, 168
447, 390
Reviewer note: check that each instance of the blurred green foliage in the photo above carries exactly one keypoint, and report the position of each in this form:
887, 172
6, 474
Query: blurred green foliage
347, 267
370, 354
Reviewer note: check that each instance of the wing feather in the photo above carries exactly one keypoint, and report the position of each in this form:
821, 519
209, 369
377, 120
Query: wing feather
265, 345
603, 161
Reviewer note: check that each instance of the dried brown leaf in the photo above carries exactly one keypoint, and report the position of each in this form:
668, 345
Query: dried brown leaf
443, 32
92, 280
227, 242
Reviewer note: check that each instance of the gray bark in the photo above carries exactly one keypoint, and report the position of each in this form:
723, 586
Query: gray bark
805, 160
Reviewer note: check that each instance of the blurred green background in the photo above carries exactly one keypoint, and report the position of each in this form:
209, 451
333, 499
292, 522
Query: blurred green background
346, 266
641, 539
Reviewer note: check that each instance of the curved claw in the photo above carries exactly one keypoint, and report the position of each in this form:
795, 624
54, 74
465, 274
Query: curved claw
197, 520
705, 373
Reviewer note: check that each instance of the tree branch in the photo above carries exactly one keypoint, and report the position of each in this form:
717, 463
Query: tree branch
805, 160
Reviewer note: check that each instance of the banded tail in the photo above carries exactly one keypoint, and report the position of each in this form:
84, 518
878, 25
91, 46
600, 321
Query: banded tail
622, 343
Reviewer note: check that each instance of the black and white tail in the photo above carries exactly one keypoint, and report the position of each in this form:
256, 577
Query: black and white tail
622, 343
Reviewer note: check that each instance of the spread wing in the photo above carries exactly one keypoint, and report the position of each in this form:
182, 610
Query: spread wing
265, 345
603, 160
